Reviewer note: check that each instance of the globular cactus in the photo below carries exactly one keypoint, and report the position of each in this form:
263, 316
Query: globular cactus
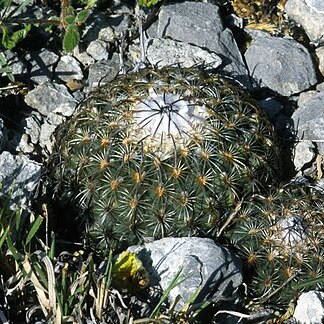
281, 238
163, 152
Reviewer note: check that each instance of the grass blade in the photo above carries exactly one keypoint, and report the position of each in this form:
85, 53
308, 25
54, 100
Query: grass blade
37, 223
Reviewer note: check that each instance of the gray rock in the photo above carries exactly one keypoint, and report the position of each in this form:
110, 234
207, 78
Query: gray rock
205, 265
50, 97
304, 153
46, 137
107, 34
42, 65
24, 144
200, 24
280, 64
17, 66
309, 118
103, 72
19, 176
320, 55
165, 52
32, 126
68, 68
98, 49
99, 21
320, 87
310, 14
310, 308
82, 56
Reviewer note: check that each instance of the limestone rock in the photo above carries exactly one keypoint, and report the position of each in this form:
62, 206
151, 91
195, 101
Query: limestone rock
310, 308
166, 52
103, 71
50, 97
304, 153
200, 24
98, 49
280, 64
310, 14
42, 65
19, 176
320, 54
205, 264
68, 68
309, 118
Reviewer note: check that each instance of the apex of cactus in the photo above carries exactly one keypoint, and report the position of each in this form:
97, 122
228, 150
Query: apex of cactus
166, 121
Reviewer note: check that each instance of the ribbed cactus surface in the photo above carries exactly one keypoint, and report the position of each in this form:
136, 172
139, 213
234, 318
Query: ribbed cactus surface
163, 152
280, 238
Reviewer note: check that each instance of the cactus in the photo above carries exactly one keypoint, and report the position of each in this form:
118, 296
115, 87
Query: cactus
163, 152
280, 237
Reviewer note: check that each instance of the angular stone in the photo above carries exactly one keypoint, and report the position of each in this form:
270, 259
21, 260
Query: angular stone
310, 308
309, 118
98, 49
103, 72
32, 126
83, 56
46, 138
17, 66
320, 55
310, 14
50, 97
24, 144
280, 64
205, 265
42, 65
320, 87
19, 177
304, 153
99, 21
200, 24
165, 52
68, 68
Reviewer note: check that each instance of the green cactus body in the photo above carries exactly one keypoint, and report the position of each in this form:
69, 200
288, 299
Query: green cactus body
163, 152
280, 237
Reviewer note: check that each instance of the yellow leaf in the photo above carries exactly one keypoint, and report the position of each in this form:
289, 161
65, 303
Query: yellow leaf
129, 273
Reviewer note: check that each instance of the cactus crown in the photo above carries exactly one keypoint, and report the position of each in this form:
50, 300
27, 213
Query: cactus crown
163, 152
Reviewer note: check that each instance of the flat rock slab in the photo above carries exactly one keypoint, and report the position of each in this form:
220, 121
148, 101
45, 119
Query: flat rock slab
200, 24
310, 14
165, 52
280, 64
309, 118
205, 264
19, 177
